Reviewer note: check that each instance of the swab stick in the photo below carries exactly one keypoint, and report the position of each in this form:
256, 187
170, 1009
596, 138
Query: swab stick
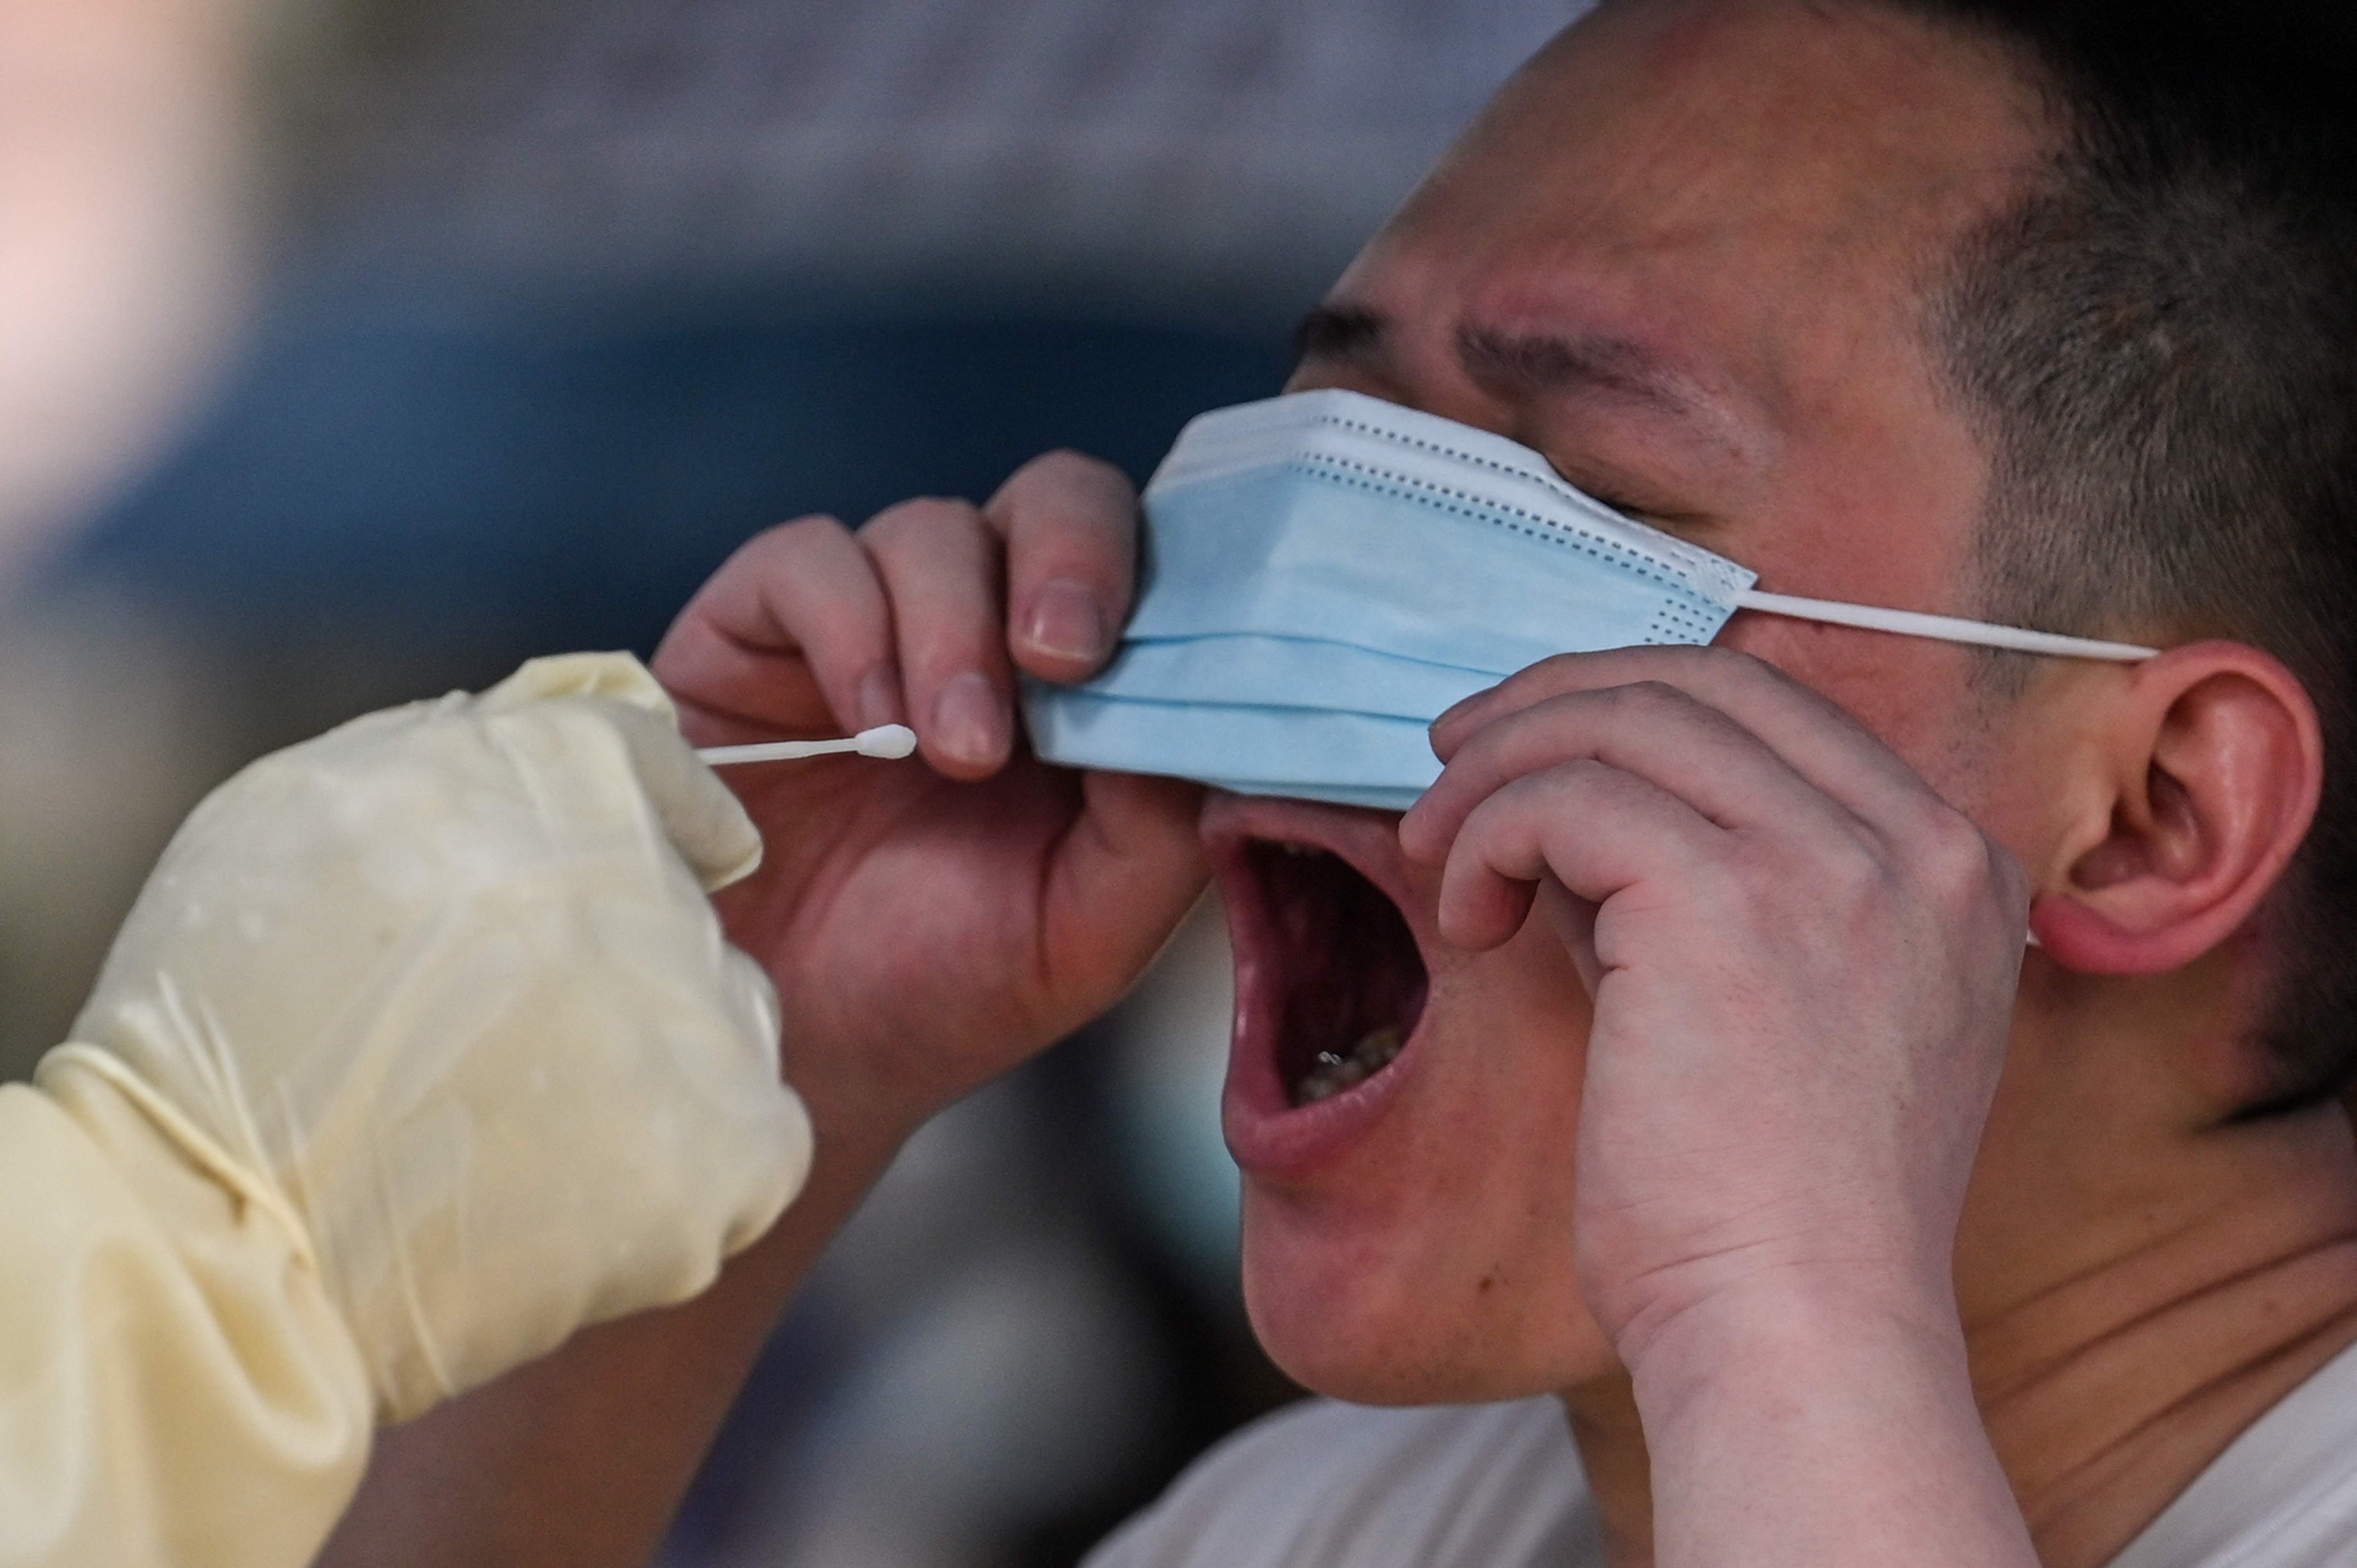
889, 741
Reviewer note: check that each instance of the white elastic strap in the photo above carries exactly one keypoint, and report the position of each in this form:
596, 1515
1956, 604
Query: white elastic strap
1944, 628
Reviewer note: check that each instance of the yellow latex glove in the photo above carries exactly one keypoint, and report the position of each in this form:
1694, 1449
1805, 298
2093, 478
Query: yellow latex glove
421, 1050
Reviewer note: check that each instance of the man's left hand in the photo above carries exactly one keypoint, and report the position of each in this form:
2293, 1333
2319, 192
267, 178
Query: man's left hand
1802, 961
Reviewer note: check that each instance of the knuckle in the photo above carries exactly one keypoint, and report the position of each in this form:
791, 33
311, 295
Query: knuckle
2003, 879
1709, 656
919, 521
1550, 679
1536, 794
1854, 864
1750, 669
813, 530
1483, 758
1960, 851
1583, 776
1541, 778
808, 525
1646, 700
1555, 670
1738, 877
1068, 467
1839, 868
1062, 497
1963, 869
1727, 667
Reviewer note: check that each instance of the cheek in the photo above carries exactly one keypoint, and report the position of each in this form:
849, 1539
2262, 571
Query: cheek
1432, 1263
1915, 694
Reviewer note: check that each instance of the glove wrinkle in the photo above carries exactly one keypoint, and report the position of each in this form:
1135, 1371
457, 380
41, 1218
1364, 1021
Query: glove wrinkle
193, 1140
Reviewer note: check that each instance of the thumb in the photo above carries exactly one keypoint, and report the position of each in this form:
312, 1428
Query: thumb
1130, 867
1574, 919
703, 820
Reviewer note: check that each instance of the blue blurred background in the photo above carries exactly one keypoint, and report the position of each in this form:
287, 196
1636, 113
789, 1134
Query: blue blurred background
360, 349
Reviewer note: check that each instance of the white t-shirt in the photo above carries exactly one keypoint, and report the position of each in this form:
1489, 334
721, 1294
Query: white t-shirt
1493, 1485
1323, 1485
2283, 1495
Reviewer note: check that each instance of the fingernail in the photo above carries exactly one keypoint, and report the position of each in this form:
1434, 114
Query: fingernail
967, 721
1065, 621
879, 698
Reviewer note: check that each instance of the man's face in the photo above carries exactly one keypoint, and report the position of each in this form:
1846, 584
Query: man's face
1685, 255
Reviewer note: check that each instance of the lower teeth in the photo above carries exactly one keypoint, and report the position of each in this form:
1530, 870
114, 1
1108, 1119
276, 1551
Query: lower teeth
1331, 1074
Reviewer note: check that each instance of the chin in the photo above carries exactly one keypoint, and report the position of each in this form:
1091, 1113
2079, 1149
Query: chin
1347, 1326
1404, 1116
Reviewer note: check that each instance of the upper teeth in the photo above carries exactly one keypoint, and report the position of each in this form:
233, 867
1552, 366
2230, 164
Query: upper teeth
1331, 1074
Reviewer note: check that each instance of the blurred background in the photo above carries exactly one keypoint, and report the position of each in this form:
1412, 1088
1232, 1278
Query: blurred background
353, 350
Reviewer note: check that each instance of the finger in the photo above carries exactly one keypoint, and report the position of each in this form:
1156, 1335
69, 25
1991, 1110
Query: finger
1822, 741
803, 592
1656, 731
1574, 919
1593, 828
1128, 869
1070, 527
939, 564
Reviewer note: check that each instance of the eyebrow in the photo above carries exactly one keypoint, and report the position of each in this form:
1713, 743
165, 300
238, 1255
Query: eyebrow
1525, 362
1515, 364
1342, 335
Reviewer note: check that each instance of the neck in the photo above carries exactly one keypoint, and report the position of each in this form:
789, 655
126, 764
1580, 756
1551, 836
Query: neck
2111, 1376
2108, 1387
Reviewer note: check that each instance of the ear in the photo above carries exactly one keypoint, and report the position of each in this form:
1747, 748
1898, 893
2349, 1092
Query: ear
2214, 761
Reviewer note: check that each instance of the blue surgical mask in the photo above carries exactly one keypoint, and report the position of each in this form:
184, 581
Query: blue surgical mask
1325, 574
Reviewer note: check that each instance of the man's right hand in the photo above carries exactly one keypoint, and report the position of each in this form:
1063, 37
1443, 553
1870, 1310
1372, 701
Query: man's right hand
930, 923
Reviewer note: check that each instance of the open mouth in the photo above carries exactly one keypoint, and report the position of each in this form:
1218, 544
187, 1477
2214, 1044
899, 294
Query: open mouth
1349, 981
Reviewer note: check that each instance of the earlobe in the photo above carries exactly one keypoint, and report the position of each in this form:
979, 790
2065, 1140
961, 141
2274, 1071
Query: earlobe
2217, 761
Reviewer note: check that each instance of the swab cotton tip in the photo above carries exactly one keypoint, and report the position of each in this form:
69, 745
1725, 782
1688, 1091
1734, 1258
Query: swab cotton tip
889, 741
892, 742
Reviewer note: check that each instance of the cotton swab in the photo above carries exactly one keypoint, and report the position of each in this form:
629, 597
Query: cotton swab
889, 741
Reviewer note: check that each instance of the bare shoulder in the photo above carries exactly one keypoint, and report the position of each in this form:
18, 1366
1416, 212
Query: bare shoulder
1323, 1482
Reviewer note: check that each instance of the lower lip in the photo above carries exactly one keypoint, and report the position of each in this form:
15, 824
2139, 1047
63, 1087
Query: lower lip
1270, 1138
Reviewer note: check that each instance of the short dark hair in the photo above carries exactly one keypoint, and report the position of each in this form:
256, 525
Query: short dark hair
2158, 339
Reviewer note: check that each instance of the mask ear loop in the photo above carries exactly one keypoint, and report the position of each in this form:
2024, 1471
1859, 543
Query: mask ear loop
1941, 628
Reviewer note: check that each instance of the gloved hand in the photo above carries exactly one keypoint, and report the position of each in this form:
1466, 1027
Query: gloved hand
439, 1001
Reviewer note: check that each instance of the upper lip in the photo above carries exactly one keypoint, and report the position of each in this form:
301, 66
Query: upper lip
1368, 839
